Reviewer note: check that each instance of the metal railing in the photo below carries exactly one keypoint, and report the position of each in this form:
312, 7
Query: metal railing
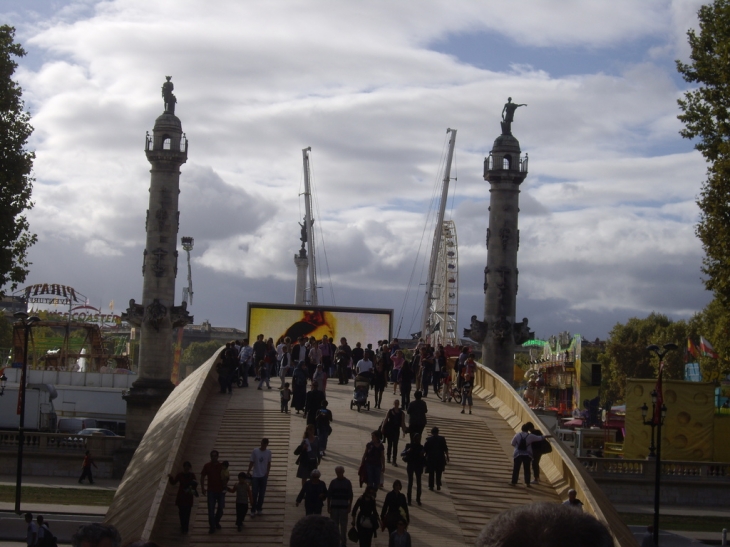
34, 442
491, 165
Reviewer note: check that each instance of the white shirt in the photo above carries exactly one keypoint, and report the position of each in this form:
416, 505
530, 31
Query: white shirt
261, 460
363, 365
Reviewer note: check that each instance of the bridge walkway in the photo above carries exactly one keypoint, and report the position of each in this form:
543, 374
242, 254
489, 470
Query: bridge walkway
476, 482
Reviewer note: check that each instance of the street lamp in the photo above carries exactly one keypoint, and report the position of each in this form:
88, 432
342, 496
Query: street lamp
657, 420
27, 323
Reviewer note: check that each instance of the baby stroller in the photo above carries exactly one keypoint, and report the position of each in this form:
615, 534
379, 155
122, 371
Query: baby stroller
360, 396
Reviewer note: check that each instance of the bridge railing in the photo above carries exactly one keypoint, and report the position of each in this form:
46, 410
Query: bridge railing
644, 469
565, 470
135, 507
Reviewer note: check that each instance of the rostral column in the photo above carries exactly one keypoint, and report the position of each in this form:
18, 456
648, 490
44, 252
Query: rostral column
157, 316
505, 170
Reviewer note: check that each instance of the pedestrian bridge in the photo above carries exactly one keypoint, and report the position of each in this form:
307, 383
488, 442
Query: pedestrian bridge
196, 418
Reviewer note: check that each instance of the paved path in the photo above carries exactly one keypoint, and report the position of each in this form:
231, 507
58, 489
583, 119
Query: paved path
475, 483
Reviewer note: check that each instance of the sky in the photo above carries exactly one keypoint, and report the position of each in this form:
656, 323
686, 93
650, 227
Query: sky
607, 211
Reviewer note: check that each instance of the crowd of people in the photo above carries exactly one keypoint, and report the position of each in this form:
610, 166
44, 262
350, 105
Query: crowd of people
308, 361
312, 363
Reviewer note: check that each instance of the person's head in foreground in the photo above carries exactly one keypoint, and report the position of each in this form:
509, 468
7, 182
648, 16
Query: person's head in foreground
544, 525
315, 531
96, 535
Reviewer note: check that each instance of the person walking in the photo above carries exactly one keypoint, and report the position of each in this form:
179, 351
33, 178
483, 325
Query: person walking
415, 458
216, 496
285, 366
86, 468
393, 424
299, 387
323, 425
437, 456
398, 361
285, 397
342, 360
405, 380
365, 516
313, 402
522, 457
374, 459
259, 467
186, 493
417, 411
308, 452
320, 376
314, 494
380, 380
538, 449
244, 498
400, 537
466, 392
31, 537
339, 502
395, 508
244, 359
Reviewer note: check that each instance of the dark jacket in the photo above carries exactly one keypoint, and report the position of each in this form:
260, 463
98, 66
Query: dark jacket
436, 451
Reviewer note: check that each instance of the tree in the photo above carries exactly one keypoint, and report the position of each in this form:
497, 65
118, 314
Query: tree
626, 355
16, 164
713, 323
198, 353
706, 117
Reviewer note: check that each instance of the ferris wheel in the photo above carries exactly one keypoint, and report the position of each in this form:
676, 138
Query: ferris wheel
445, 297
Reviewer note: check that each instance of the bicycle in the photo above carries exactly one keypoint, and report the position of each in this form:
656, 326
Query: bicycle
453, 392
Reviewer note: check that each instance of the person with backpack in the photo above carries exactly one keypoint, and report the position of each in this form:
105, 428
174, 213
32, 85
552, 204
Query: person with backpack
45, 536
522, 442
538, 449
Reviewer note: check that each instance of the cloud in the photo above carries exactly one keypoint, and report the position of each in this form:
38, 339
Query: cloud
607, 210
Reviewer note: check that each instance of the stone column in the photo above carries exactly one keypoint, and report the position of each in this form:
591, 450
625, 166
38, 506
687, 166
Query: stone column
157, 316
505, 171
302, 263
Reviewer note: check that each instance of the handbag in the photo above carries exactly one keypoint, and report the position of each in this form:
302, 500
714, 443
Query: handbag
353, 535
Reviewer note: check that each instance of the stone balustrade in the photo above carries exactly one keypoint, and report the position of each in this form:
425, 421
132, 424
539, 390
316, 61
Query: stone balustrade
645, 469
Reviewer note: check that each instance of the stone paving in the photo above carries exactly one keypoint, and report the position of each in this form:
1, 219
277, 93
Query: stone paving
476, 482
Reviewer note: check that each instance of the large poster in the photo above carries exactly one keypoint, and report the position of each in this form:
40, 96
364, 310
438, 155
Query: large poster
687, 433
364, 325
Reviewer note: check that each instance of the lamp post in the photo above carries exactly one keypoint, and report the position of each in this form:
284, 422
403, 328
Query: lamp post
27, 323
657, 419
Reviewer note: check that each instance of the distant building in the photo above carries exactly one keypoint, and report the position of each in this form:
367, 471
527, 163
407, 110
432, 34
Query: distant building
206, 332
13, 304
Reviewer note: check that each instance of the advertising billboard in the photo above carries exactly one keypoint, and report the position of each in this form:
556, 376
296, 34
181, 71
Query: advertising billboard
365, 325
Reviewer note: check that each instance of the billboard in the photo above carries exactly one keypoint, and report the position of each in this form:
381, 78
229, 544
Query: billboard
365, 325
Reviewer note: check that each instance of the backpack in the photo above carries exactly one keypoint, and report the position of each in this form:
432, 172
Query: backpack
522, 447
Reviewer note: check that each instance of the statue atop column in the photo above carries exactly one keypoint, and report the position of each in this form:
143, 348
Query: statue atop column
508, 115
169, 97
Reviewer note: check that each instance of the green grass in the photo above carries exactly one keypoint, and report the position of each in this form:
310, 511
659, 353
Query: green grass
678, 522
58, 496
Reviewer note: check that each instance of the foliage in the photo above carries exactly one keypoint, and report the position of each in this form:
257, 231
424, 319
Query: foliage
198, 353
706, 117
626, 355
713, 323
16, 164
6, 331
